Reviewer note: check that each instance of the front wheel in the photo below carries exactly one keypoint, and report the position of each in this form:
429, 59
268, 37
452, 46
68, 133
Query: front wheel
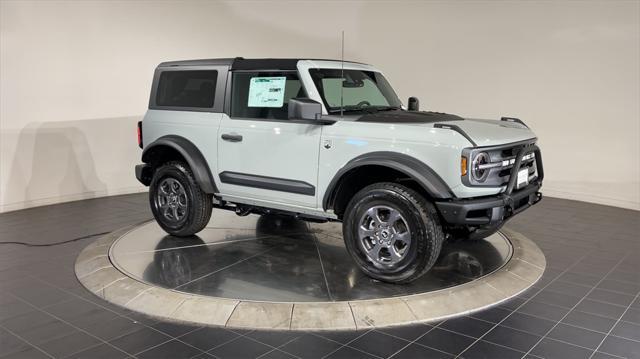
178, 203
392, 233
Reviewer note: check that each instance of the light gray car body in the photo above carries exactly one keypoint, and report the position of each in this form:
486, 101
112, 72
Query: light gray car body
313, 155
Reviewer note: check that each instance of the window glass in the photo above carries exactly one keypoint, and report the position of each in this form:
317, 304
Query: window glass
264, 94
359, 90
187, 88
367, 91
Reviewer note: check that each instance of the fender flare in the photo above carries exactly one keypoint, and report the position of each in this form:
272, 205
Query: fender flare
192, 156
410, 166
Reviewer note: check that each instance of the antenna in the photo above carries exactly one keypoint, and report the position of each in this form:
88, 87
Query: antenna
342, 78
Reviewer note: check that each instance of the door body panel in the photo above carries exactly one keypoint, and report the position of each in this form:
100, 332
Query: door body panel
276, 161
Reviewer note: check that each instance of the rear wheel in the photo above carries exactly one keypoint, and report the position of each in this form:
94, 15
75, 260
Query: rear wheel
178, 203
392, 233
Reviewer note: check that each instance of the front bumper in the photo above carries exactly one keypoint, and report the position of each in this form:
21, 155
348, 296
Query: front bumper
489, 211
492, 211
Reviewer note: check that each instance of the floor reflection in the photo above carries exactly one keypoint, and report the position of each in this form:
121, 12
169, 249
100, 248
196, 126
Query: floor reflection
282, 259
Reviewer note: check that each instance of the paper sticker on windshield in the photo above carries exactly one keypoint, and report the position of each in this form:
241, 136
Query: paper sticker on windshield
267, 91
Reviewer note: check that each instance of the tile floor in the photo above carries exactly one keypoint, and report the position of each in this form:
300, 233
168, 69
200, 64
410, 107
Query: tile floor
585, 306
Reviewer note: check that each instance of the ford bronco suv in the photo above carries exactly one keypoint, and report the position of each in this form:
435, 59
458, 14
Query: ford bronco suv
325, 140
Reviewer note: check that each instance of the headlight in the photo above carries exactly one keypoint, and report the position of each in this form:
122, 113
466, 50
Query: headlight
478, 173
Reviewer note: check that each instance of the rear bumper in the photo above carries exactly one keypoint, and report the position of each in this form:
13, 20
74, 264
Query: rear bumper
144, 173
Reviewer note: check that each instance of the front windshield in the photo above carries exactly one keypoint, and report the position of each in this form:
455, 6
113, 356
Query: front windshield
355, 90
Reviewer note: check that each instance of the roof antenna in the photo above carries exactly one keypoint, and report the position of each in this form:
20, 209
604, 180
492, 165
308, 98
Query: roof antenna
342, 78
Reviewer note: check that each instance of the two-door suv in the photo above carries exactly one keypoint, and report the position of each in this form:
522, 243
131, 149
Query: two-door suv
326, 140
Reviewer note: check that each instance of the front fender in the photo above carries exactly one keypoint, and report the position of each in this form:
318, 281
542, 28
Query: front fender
410, 166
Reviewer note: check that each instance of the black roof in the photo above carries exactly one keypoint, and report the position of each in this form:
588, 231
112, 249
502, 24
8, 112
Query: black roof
202, 62
240, 63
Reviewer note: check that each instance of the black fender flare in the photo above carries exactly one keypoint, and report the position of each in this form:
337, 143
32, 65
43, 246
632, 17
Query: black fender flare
190, 153
410, 166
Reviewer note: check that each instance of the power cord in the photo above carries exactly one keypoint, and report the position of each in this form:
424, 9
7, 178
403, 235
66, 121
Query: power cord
57, 243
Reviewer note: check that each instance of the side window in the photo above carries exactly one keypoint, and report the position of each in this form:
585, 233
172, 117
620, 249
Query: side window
264, 94
187, 88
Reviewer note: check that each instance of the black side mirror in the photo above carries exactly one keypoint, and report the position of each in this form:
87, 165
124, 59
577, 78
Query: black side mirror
304, 109
413, 104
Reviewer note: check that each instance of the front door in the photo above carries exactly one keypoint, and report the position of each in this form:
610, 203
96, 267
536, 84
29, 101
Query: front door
261, 154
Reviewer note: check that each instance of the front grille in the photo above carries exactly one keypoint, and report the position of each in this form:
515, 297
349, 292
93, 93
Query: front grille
497, 171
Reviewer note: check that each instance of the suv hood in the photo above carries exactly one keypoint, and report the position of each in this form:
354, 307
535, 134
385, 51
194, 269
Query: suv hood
494, 132
482, 132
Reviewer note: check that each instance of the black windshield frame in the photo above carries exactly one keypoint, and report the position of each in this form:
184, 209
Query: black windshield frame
318, 74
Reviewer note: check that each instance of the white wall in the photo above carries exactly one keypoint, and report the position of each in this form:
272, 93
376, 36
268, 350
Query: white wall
75, 76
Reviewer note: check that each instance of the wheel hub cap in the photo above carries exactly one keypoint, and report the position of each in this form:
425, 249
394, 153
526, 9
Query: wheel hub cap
384, 236
171, 200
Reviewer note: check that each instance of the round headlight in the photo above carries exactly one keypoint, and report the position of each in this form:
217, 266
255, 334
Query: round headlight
481, 158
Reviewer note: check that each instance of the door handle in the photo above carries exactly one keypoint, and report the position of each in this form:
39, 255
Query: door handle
232, 137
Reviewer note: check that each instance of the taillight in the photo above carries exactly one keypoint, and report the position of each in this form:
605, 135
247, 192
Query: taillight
140, 134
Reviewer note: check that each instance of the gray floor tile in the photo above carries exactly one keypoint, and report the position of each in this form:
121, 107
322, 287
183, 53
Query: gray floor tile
511, 338
528, 323
310, 346
139, 340
627, 330
483, 349
414, 351
589, 321
240, 348
578, 336
621, 347
446, 341
69, 344
565, 230
549, 348
170, 350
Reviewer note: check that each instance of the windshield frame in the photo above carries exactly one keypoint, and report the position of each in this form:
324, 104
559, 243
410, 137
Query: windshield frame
385, 88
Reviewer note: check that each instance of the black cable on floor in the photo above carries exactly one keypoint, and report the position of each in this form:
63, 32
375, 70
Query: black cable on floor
57, 243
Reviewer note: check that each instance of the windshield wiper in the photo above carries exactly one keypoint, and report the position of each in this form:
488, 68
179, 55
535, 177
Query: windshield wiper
351, 109
387, 108
367, 109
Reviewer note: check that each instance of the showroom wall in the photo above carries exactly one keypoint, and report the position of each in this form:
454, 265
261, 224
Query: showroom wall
75, 76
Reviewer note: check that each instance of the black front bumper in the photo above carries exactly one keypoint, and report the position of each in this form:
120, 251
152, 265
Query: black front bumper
489, 211
492, 211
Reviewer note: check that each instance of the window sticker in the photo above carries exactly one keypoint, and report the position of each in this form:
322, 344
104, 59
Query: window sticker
267, 91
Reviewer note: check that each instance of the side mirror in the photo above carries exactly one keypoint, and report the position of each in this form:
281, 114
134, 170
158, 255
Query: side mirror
413, 104
304, 109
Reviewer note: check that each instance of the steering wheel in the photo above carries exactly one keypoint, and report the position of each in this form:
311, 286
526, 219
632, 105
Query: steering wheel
363, 103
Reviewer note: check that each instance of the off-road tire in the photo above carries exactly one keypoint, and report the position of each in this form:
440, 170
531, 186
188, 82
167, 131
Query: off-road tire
423, 222
199, 204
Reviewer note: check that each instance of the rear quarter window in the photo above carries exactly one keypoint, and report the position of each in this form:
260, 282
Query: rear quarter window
194, 89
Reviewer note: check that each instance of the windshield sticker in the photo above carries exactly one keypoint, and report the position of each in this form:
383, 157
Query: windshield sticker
267, 91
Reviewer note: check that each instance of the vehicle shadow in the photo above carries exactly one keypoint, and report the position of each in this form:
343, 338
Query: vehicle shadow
70, 160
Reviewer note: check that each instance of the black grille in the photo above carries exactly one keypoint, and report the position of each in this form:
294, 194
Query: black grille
503, 157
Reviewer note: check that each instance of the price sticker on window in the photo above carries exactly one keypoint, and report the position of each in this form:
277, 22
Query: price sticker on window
266, 91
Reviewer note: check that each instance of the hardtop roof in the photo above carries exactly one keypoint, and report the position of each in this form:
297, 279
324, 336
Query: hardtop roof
240, 63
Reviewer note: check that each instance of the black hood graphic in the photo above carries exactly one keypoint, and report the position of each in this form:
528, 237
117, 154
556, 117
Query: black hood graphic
400, 116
